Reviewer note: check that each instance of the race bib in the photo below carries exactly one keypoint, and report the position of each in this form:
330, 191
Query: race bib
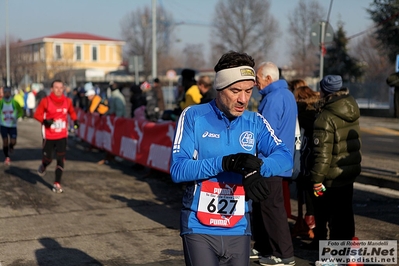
221, 204
58, 125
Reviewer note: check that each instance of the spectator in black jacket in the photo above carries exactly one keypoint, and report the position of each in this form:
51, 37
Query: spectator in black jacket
137, 98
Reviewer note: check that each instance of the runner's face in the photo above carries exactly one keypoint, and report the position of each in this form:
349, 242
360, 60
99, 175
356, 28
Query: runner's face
7, 94
58, 89
261, 81
233, 100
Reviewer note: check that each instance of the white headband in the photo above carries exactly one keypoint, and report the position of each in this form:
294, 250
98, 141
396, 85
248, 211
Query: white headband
226, 77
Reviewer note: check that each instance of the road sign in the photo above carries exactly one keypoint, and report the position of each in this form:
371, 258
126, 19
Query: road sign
315, 33
397, 63
136, 63
171, 74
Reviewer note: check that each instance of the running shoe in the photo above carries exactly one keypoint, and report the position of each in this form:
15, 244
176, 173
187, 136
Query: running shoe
274, 261
41, 171
57, 188
7, 161
254, 254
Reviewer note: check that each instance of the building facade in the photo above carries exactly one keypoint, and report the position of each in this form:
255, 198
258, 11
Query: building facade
72, 57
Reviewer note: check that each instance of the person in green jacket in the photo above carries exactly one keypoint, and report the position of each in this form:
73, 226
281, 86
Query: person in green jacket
10, 111
337, 158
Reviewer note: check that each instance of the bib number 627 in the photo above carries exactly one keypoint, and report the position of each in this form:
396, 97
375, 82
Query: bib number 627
225, 206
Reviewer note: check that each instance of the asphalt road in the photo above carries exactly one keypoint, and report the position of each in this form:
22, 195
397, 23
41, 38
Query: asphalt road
121, 215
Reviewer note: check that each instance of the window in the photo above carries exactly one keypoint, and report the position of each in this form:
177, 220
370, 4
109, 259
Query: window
94, 53
78, 52
42, 56
35, 52
57, 52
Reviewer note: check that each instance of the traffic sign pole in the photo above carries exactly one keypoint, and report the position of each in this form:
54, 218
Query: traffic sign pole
321, 33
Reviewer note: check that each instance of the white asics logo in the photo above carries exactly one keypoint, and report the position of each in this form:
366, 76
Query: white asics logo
210, 135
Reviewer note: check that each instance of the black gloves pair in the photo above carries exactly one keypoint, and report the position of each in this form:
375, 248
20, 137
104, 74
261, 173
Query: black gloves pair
49, 122
249, 166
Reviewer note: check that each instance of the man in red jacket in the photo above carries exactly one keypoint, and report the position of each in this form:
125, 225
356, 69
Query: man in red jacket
52, 112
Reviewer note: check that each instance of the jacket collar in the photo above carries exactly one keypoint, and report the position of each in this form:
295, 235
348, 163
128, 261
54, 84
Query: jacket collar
276, 85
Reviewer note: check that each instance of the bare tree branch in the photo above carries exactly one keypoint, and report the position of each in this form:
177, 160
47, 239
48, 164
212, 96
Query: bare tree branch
137, 31
244, 26
303, 53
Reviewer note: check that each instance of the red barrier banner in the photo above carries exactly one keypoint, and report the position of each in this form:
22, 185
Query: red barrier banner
137, 140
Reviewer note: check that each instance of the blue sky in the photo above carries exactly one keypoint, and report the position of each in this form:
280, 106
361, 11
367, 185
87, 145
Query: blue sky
35, 18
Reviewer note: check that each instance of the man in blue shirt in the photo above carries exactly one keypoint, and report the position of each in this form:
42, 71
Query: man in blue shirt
214, 151
271, 232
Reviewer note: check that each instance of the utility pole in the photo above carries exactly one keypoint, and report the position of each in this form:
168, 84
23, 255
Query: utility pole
154, 39
7, 48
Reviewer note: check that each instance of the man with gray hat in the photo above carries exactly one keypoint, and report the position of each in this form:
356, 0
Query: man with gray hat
10, 111
337, 159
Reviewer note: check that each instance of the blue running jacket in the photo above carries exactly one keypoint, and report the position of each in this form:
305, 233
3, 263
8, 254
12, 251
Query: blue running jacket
214, 201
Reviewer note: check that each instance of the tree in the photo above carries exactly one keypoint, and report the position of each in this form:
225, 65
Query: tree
337, 60
244, 26
385, 14
194, 56
377, 68
303, 52
16, 72
137, 31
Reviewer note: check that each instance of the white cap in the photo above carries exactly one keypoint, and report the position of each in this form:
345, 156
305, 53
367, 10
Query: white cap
90, 93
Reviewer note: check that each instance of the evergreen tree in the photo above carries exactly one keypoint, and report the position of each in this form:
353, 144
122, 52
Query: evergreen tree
385, 14
337, 60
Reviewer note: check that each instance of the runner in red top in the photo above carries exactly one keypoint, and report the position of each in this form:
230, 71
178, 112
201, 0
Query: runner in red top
52, 112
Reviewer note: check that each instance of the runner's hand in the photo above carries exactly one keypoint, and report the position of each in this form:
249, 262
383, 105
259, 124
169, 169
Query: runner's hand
318, 189
255, 186
48, 122
241, 163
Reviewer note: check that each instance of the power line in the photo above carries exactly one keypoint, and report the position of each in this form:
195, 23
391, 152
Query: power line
375, 26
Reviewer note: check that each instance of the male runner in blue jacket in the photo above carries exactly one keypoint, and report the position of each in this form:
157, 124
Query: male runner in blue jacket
214, 150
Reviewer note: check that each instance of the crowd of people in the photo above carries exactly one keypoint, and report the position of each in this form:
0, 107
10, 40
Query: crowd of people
232, 160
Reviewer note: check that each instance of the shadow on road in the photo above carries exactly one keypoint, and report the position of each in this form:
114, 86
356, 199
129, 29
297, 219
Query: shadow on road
54, 254
27, 176
152, 211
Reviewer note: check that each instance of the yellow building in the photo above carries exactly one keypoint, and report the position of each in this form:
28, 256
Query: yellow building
73, 57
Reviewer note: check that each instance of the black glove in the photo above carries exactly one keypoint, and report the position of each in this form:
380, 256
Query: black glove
76, 124
48, 122
241, 163
255, 186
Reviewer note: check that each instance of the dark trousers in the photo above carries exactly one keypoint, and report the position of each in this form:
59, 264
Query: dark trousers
213, 250
59, 147
335, 209
270, 225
